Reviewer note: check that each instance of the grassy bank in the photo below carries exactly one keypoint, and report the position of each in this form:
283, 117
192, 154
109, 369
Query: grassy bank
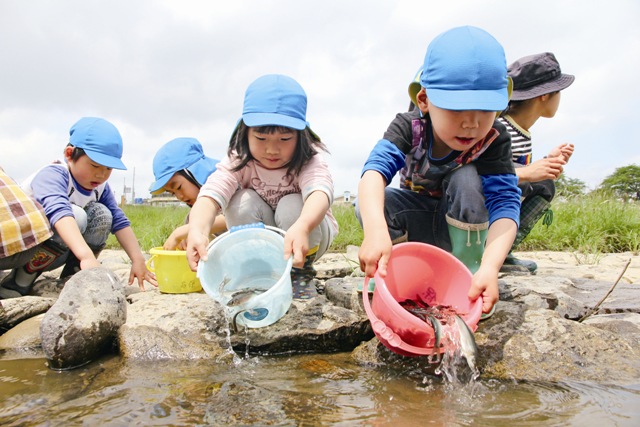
588, 224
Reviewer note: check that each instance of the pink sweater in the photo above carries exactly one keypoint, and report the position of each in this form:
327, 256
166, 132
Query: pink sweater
270, 184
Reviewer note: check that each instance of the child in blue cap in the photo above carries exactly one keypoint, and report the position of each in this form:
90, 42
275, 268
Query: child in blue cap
81, 208
458, 186
273, 173
537, 82
181, 168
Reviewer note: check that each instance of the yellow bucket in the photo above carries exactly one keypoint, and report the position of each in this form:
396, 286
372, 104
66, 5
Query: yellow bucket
172, 272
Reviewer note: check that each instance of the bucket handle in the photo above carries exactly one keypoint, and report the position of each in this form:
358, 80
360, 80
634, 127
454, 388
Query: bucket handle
150, 264
235, 228
380, 328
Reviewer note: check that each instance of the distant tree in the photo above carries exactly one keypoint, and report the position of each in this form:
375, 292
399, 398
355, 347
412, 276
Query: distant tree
570, 187
624, 182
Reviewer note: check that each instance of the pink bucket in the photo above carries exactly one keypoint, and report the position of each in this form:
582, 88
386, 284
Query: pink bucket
437, 277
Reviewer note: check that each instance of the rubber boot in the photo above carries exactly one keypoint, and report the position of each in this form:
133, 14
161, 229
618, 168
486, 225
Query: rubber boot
467, 242
21, 279
302, 279
530, 213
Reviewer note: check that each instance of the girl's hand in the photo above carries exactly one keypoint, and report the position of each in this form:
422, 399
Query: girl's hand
296, 243
140, 272
196, 248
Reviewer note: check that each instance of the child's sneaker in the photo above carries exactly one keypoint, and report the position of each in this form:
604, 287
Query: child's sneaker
9, 288
304, 286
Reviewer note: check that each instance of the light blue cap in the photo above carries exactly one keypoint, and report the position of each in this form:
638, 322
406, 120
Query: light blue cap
465, 68
275, 100
100, 140
179, 154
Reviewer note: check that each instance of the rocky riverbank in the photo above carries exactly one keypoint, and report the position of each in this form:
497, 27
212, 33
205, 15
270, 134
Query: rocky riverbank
534, 334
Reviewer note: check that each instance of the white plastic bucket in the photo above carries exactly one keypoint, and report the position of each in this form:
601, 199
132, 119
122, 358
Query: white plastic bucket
249, 258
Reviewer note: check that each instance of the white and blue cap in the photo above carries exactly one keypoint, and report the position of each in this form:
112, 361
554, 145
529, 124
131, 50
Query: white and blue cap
275, 100
179, 154
465, 68
100, 141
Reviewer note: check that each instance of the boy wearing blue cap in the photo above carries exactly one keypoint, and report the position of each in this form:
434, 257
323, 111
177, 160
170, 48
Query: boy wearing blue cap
181, 168
458, 186
273, 173
81, 208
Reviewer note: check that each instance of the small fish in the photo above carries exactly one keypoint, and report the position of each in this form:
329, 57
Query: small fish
437, 331
242, 296
235, 318
223, 283
468, 345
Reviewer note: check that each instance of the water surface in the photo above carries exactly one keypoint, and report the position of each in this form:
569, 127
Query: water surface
295, 390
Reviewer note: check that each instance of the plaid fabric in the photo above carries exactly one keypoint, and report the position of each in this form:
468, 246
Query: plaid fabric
23, 223
531, 211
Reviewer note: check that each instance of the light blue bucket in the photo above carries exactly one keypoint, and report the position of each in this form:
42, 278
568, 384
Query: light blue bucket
246, 264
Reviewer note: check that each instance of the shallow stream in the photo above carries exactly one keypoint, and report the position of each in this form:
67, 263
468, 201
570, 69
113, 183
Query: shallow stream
301, 390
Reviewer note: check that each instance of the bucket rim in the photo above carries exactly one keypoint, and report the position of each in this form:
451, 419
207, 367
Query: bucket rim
159, 250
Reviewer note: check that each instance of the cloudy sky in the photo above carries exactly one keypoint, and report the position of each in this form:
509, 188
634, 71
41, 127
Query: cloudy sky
165, 69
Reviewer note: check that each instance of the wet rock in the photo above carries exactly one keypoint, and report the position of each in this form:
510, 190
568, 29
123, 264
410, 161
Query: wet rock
173, 326
84, 320
309, 326
16, 310
24, 339
547, 347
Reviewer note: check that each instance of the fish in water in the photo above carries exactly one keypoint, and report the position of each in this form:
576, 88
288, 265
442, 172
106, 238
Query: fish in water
432, 315
468, 346
242, 296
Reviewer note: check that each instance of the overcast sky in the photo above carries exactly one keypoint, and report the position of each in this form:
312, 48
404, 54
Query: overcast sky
165, 69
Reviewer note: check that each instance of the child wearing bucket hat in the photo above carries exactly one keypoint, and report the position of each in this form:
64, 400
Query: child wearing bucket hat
80, 207
273, 173
537, 83
181, 168
458, 189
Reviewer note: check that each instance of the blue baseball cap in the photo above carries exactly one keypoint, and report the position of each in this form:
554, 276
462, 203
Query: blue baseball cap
100, 140
465, 68
179, 154
275, 100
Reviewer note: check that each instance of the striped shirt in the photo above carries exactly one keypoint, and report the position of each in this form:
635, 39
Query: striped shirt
521, 148
23, 223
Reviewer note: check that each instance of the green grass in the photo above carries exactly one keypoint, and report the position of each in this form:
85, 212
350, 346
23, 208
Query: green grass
588, 224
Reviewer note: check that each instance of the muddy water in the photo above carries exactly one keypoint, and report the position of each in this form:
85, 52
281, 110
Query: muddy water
300, 390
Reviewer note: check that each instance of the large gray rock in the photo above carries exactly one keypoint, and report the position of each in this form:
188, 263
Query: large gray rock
173, 327
83, 322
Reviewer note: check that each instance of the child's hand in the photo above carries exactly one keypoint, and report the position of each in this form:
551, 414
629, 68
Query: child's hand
177, 239
563, 150
139, 271
547, 168
374, 254
485, 284
296, 243
196, 248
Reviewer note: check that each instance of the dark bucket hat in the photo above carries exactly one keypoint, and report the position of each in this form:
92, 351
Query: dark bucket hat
537, 75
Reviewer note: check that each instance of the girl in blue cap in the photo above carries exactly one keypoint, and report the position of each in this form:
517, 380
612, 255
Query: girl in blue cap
181, 168
81, 208
273, 173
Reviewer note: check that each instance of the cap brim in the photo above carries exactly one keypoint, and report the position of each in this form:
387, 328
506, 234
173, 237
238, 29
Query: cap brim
104, 160
559, 84
460, 100
158, 186
272, 119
